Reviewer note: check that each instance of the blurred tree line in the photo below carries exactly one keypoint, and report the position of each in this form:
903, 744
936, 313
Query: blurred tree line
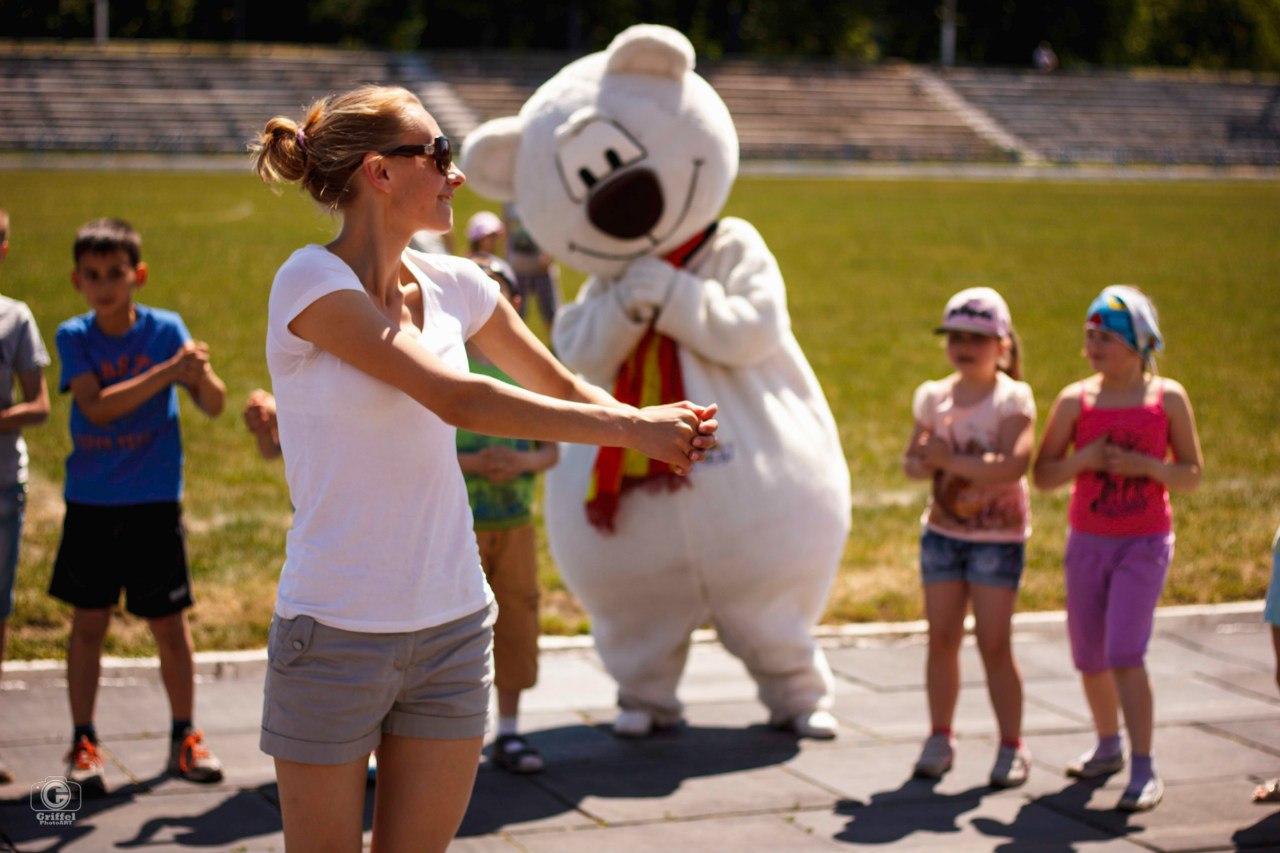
1241, 34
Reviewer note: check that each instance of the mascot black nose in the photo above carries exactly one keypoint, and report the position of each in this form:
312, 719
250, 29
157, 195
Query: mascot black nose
627, 206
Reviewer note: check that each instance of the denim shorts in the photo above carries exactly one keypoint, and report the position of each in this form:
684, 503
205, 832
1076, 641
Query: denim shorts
13, 507
987, 563
331, 694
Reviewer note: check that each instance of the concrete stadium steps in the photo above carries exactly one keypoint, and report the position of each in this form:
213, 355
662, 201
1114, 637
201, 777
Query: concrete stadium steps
1132, 116
203, 98
823, 109
494, 83
782, 109
202, 102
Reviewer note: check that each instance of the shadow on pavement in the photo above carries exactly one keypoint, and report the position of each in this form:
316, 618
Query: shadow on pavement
586, 761
1082, 826
890, 816
583, 761
20, 818
1263, 834
247, 814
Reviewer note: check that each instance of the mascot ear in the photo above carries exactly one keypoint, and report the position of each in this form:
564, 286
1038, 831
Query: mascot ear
489, 157
650, 49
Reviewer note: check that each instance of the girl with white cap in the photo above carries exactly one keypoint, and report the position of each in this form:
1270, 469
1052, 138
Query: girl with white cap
484, 229
974, 431
1124, 436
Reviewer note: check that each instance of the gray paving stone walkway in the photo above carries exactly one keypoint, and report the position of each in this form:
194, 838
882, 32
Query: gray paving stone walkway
725, 782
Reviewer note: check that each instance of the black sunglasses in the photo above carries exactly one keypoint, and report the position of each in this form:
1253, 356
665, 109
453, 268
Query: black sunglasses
440, 149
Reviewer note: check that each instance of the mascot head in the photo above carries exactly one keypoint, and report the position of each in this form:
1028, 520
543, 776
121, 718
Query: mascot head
621, 154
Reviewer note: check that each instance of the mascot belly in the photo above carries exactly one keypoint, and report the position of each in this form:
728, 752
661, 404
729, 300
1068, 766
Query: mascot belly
620, 165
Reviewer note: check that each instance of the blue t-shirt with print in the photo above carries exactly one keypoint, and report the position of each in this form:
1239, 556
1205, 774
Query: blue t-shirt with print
136, 458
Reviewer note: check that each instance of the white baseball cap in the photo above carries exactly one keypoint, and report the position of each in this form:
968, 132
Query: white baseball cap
482, 225
979, 310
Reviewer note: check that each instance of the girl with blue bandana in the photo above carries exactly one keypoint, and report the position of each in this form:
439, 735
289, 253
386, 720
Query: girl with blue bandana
1124, 436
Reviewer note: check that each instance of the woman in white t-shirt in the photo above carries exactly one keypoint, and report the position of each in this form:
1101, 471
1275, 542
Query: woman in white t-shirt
973, 435
381, 635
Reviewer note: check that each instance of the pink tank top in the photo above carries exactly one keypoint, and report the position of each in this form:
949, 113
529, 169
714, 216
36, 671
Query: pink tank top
1107, 505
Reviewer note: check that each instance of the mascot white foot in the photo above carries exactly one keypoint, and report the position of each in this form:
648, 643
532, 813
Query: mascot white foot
620, 165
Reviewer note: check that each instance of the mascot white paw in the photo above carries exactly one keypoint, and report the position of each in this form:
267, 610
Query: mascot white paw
620, 165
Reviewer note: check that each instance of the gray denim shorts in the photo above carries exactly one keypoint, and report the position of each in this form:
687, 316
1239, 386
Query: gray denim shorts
331, 694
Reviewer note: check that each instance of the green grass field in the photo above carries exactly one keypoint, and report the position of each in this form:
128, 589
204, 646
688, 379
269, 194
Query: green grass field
869, 265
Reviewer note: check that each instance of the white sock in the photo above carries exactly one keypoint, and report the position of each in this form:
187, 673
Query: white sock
507, 726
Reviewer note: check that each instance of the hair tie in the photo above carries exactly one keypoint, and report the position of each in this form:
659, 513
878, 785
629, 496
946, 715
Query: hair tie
302, 141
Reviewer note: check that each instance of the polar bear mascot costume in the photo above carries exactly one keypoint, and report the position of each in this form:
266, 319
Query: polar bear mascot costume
619, 166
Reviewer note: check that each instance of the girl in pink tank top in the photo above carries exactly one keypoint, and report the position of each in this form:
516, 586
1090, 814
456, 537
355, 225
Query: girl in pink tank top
1123, 437
1109, 504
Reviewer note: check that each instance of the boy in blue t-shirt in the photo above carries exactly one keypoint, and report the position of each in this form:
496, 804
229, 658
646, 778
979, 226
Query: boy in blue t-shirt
123, 527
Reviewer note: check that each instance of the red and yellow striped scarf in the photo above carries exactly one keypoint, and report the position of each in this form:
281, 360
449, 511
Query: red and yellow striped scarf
649, 376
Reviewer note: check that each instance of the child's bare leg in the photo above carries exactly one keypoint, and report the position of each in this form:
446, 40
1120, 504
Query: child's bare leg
1104, 702
177, 667
1134, 689
945, 603
84, 660
1144, 789
1275, 645
993, 615
508, 703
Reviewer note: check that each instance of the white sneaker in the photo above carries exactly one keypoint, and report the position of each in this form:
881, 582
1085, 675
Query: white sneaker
935, 757
633, 723
819, 725
1013, 763
1142, 799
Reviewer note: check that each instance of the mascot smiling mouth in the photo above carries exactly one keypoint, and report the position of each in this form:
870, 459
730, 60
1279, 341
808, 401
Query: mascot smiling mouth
628, 206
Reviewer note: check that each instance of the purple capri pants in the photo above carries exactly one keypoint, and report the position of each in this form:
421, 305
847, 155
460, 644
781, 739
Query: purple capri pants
1113, 584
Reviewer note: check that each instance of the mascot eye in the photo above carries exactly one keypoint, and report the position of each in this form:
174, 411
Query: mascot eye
592, 152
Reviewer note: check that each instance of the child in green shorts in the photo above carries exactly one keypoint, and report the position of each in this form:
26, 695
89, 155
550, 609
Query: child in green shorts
500, 475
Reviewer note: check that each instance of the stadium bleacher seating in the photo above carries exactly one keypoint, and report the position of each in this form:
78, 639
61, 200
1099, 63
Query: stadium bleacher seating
166, 99
174, 98
1132, 117
783, 110
787, 110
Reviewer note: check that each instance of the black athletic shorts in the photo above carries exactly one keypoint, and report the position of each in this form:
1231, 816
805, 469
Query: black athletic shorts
140, 548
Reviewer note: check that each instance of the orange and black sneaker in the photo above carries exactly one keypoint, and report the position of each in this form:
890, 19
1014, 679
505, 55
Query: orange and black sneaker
86, 768
190, 759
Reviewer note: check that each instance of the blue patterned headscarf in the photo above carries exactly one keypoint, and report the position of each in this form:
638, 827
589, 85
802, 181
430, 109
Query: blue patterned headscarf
1127, 312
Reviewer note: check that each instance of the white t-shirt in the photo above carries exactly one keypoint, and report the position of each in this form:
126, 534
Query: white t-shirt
975, 512
381, 539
